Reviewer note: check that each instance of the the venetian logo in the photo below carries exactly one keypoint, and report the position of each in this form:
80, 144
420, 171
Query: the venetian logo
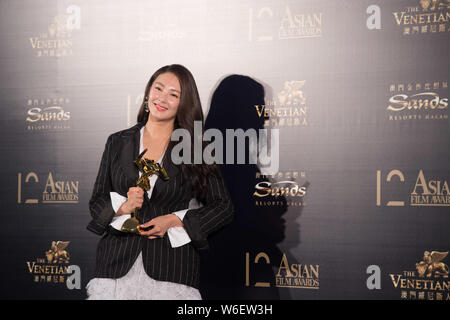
48, 114
281, 184
289, 109
53, 267
426, 17
54, 191
427, 191
288, 275
56, 40
428, 282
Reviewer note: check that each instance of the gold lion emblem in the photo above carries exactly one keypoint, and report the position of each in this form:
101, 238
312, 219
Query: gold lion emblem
58, 27
431, 263
434, 4
57, 254
291, 94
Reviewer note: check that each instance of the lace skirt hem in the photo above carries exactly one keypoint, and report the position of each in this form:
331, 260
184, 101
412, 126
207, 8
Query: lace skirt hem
137, 285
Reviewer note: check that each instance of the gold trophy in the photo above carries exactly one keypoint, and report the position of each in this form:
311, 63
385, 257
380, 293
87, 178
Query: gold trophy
147, 167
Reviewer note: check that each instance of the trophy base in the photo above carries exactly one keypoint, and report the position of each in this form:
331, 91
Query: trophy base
131, 225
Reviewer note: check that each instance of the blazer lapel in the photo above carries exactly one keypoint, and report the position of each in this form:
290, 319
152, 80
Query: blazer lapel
171, 169
130, 152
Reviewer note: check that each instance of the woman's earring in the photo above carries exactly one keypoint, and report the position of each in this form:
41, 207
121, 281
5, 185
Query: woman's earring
146, 105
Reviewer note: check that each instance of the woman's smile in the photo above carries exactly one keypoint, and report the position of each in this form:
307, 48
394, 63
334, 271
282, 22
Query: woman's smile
159, 107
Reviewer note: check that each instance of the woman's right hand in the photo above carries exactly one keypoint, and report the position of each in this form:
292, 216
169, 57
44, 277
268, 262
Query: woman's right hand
135, 199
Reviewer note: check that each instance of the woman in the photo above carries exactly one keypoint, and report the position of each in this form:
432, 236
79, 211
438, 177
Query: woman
162, 260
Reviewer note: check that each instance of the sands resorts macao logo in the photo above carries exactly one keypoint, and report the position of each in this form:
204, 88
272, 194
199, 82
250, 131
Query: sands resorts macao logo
160, 27
418, 101
286, 184
429, 280
48, 114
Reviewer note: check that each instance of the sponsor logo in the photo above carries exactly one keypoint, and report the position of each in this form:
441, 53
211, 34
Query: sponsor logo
418, 101
429, 280
427, 190
56, 40
55, 190
46, 114
426, 17
54, 268
281, 184
299, 276
289, 109
288, 22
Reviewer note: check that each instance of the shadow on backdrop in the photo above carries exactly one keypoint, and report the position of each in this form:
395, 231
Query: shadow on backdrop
254, 228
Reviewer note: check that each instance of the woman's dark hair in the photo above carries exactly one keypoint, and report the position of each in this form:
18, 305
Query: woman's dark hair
189, 110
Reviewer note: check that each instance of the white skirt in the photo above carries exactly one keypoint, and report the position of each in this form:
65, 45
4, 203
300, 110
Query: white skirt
137, 285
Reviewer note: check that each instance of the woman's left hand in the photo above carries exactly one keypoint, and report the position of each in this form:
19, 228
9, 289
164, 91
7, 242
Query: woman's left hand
159, 226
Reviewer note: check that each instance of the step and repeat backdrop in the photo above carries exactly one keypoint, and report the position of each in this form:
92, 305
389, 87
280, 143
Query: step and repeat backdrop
359, 205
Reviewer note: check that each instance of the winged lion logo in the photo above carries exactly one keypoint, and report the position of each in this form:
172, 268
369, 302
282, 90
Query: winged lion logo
57, 254
291, 94
431, 263
434, 4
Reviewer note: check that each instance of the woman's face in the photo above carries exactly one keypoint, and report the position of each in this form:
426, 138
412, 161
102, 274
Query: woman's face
164, 97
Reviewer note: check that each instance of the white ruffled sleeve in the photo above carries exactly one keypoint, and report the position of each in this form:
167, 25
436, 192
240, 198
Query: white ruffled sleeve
116, 201
178, 236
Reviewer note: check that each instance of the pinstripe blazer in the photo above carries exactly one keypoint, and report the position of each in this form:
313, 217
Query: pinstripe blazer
116, 253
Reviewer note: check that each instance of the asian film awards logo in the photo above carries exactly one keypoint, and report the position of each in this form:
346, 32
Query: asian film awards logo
427, 191
288, 275
55, 190
284, 23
